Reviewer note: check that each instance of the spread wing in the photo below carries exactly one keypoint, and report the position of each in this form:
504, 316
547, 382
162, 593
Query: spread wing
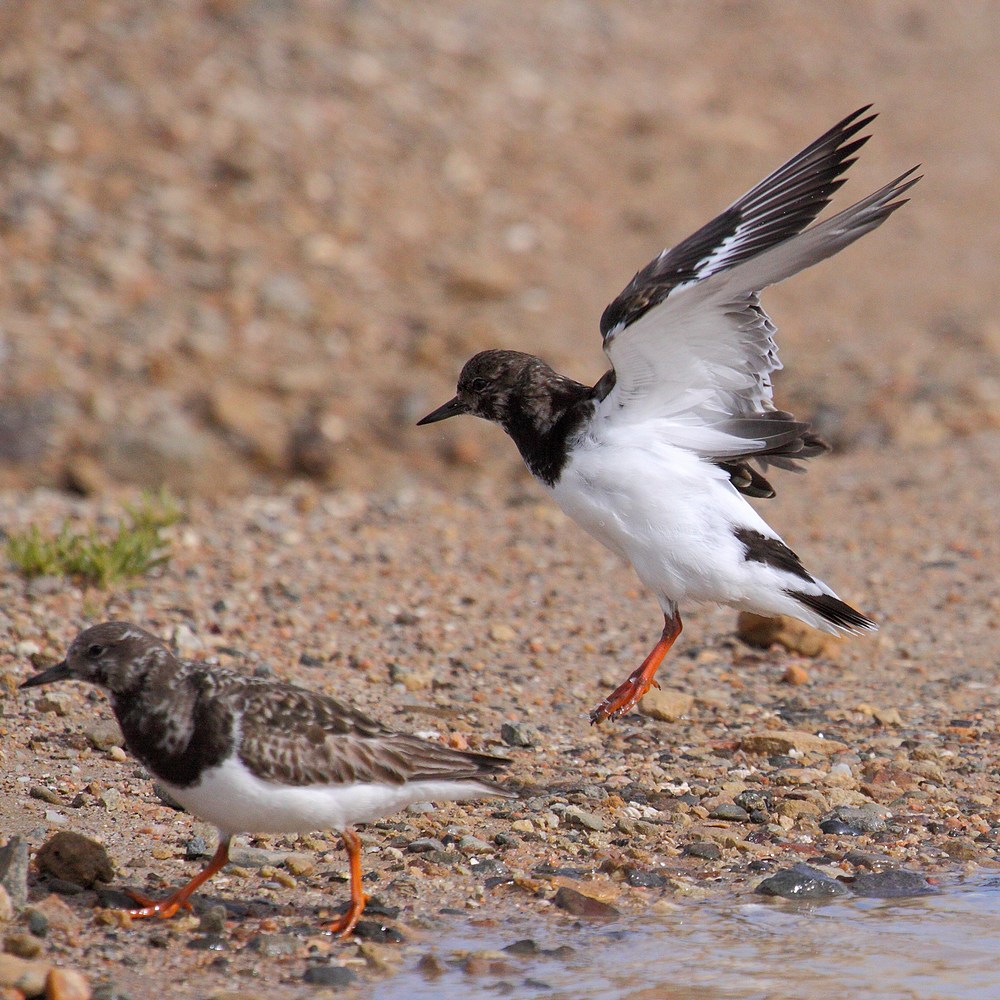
311, 738
690, 344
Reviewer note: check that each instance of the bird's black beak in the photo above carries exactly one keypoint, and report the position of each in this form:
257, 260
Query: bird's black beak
59, 672
450, 409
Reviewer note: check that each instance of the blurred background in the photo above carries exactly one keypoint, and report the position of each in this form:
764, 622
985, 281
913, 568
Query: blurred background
242, 242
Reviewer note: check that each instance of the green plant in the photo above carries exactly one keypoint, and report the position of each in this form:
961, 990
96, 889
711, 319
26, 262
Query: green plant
136, 547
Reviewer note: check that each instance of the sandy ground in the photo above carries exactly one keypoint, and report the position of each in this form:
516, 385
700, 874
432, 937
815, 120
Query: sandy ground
456, 616
244, 246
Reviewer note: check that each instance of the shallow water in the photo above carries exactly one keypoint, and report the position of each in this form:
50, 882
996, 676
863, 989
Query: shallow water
940, 947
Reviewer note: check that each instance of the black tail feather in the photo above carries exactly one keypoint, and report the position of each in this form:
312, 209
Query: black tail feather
835, 611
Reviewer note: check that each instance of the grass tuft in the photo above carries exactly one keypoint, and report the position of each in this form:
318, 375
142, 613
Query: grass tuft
136, 547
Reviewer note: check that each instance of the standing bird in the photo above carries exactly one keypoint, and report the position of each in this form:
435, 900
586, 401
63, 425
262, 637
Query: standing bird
252, 755
656, 458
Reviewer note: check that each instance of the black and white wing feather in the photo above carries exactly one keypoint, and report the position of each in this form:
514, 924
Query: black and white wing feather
690, 344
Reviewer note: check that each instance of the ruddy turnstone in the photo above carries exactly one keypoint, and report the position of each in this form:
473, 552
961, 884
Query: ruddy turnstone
656, 458
253, 755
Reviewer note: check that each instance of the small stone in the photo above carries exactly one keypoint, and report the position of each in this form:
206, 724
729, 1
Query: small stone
300, 864
329, 975
14, 870
67, 984
795, 674
38, 922
802, 882
754, 800
704, 849
575, 816
431, 967
502, 633
642, 878
795, 636
580, 905
274, 945
893, 884
104, 735
111, 799
666, 704
75, 858
775, 741
165, 797
213, 920
57, 914
838, 828
22, 945
473, 845
523, 826
730, 812
517, 734
45, 795
868, 818
27, 975
424, 844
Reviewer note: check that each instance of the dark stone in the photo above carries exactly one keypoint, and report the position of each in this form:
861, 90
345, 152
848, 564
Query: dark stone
583, 906
869, 818
113, 899
893, 884
424, 845
704, 849
506, 840
644, 879
63, 887
308, 660
802, 882
38, 923
329, 975
373, 930
526, 946
839, 828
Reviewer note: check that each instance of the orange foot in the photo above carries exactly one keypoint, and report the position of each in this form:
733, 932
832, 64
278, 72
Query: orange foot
628, 694
344, 926
166, 908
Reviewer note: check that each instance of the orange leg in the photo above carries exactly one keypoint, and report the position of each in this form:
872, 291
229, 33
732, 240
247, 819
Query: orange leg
344, 926
628, 694
168, 907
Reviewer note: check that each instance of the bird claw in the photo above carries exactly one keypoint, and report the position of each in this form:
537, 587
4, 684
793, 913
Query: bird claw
164, 909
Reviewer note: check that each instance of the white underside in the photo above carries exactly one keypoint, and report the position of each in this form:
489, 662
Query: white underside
672, 515
236, 801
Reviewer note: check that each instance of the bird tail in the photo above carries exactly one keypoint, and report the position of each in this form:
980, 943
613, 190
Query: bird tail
835, 614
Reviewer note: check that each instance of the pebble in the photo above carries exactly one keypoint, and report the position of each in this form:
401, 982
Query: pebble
575, 816
423, 844
213, 920
104, 735
517, 734
892, 884
14, 870
22, 945
75, 858
27, 975
329, 975
802, 882
730, 812
581, 905
705, 849
473, 845
666, 704
45, 795
774, 741
274, 945
868, 818
67, 984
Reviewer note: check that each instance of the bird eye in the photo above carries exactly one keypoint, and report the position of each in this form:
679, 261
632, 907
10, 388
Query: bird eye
478, 384
94, 651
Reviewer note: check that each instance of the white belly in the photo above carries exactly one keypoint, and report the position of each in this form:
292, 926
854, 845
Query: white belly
236, 801
670, 514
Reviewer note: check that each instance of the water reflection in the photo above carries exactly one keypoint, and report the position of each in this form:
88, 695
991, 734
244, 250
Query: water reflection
942, 947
